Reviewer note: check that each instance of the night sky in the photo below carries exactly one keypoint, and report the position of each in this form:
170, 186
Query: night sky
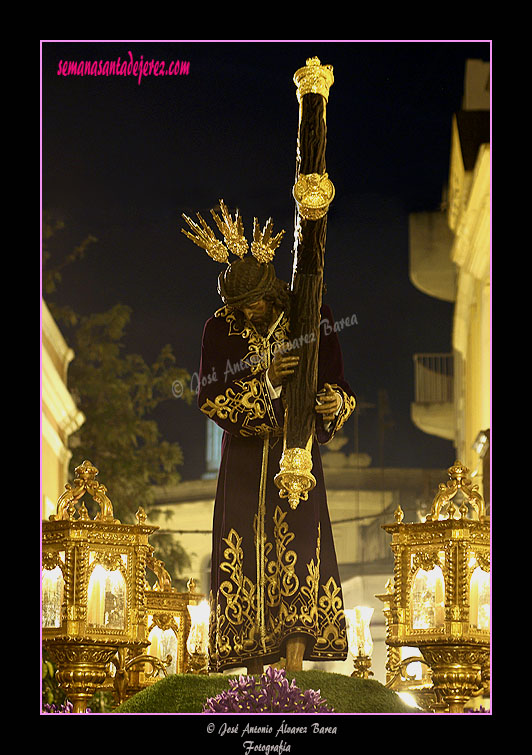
122, 161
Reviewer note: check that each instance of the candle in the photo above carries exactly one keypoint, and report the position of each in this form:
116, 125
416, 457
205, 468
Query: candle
96, 597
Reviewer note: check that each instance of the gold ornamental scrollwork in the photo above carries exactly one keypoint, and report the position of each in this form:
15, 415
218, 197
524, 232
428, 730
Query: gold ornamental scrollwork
425, 561
483, 560
313, 194
459, 483
164, 580
84, 482
109, 561
51, 559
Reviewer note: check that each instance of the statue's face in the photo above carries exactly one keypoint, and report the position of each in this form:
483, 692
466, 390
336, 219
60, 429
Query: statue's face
260, 314
255, 311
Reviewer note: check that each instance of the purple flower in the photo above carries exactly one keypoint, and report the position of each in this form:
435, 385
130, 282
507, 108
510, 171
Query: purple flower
67, 707
271, 693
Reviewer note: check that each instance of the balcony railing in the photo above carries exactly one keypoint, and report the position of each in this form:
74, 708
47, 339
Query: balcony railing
433, 376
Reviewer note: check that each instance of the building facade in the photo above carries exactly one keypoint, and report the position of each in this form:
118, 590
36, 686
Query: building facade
60, 417
450, 258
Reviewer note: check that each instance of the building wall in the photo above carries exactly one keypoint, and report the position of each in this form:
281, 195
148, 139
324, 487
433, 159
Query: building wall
60, 416
472, 318
467, 237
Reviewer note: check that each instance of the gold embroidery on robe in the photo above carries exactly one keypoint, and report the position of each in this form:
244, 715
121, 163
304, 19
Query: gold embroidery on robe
252, 402
309, 611
329, 608
312, 607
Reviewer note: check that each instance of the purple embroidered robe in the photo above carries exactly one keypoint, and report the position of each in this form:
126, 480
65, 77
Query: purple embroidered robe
274, 570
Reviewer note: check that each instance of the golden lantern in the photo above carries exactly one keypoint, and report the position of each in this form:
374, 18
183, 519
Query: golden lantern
440, 598
93, 587
167, 629
359, 639
169, 621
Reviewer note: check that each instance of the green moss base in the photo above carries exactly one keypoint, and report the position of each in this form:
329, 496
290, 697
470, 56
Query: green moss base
187, 693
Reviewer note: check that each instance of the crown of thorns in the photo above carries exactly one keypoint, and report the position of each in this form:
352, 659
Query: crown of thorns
263, 245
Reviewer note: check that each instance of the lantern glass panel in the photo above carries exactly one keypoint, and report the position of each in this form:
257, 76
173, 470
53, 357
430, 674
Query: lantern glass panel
106, 605
358, 630
428, 599
198, 637
52, 596
479, 599
163, 642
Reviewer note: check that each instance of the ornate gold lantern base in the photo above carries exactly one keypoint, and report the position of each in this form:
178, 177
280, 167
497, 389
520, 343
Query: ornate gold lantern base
456, 672
82, 666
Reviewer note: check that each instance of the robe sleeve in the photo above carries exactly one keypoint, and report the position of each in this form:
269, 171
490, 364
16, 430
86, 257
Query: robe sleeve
331, 370
232, 390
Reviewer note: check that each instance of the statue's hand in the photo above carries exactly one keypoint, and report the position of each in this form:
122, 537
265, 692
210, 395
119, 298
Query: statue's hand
282, 366
328, 403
